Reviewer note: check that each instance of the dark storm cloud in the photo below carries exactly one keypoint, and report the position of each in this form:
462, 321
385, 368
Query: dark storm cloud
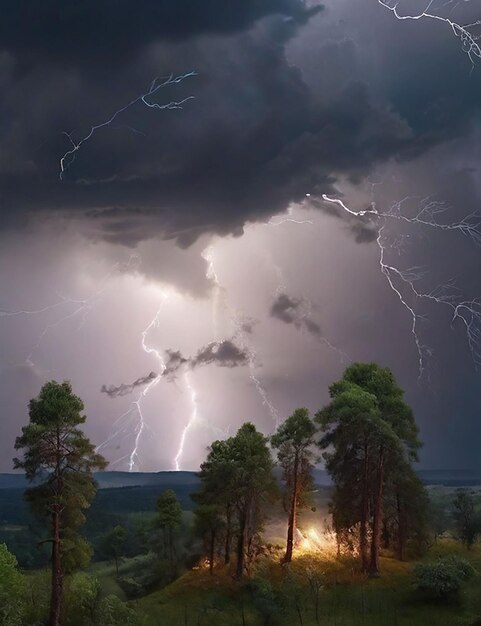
175, 361
72, 33
256, 138
224, 354
294, 311
220, 353
125, 390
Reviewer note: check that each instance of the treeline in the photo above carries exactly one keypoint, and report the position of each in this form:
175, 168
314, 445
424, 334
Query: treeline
368, 439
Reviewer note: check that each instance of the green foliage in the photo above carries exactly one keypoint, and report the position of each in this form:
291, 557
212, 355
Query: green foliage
81, 599
294, 440
467, 519
13, 590
39, 596
169, 510
443, 577
114, 612
368, 433
112, 544
237, 476
208, 524
207, 519
265, 598
76, 552
59, 457
169, 519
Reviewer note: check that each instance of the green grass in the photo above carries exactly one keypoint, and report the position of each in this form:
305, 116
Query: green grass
348, 598
106, 573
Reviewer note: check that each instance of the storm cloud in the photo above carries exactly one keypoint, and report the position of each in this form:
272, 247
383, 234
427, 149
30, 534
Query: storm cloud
291, 101
124, 390
295, 311
224, 354
258, 136
220, 353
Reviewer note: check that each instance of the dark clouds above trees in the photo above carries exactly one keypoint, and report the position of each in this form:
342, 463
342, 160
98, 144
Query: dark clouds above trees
256, 138
108, 32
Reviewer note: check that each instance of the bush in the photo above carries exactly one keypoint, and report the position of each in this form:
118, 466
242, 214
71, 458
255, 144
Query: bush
443, 577
81, 599
13, 588
114, 612
264, 598
38, 597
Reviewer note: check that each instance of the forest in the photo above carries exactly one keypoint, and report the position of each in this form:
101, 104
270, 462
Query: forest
256, 537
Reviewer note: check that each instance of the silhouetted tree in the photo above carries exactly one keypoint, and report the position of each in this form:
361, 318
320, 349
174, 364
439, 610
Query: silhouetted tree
368, 431
254, 484
60, 459
208, 525
466, 519
217, 476
168, 520
294, 440
237, 477
113, 542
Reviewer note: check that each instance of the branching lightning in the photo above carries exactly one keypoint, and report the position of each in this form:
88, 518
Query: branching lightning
241, 335
82, 307
123, 422
448, 294
157, 84
469, 41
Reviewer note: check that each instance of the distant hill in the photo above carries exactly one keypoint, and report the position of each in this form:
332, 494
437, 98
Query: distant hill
182, 480
450, 478
112, 480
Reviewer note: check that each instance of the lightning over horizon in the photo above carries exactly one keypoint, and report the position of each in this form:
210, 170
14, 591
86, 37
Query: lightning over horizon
468, 310
162, 254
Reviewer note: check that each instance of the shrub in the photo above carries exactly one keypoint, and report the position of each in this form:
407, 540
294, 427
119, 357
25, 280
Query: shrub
13, 589
81, 599
114, 612
443, 577
264, 598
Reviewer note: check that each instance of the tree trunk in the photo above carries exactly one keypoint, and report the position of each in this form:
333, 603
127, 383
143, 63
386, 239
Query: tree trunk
401, 534
292, 514
228, 515
171, 546
212, 550
374, 566
241, 545
117, 565
363, 547
56, 598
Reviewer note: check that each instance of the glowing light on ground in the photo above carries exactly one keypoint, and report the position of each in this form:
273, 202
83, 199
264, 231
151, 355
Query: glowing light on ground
312, 540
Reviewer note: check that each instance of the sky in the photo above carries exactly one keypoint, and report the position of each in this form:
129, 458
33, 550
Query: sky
209, 209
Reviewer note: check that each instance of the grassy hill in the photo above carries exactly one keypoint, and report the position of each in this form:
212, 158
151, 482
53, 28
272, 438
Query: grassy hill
346, 599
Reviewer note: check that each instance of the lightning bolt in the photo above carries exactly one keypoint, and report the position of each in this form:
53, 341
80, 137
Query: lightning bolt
82, 307
194, 416
124, 421
241, 335
469, 42
157, 84
468, 311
